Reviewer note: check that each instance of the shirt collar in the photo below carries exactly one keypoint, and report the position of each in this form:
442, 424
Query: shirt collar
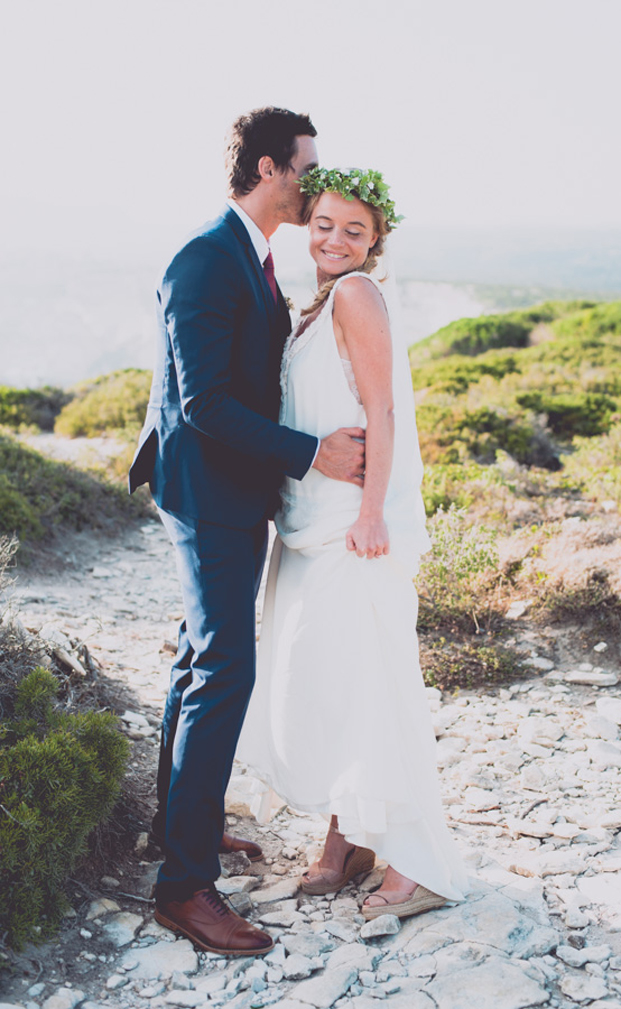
258, 239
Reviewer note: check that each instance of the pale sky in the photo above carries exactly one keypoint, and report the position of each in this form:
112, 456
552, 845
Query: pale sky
479, 112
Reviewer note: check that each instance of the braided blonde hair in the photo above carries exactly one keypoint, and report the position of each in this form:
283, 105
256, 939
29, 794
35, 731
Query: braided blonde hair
382, 230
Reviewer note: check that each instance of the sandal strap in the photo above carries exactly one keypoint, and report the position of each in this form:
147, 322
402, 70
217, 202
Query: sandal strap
381, 897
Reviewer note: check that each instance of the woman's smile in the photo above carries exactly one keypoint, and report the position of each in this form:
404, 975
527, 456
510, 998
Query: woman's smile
341, 233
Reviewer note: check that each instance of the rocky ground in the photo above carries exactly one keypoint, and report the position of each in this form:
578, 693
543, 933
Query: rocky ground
531, 778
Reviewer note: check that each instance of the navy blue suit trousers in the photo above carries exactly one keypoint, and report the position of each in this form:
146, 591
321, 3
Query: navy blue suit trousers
212, 678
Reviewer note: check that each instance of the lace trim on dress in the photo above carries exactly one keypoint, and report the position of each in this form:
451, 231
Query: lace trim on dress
293, 345
348, 370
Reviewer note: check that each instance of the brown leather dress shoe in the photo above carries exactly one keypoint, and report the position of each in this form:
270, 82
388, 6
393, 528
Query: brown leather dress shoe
210, 924
232, 844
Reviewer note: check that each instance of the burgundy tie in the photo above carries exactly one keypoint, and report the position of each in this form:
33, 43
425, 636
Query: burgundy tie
268, 266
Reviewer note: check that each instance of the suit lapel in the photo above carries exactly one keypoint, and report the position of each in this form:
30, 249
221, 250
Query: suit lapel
264, 292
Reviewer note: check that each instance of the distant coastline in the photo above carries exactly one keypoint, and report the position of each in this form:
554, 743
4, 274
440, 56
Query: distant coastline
66, 318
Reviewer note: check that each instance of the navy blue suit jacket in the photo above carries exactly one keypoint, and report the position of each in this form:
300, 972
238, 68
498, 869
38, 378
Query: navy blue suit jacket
211, 447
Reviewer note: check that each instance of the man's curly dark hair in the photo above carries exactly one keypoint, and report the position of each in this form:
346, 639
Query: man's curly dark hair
268, 132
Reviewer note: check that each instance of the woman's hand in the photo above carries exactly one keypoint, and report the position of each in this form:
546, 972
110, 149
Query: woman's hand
368, 537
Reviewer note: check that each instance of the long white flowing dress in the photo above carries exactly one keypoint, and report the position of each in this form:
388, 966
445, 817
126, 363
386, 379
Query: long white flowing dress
339, 722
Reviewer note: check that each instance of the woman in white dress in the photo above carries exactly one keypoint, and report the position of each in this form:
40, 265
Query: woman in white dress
339, 723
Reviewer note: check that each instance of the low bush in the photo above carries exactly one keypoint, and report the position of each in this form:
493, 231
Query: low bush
453, 433
594, 320
585, 414
470, 665
60, 775
112, 403
595, 465
454, 575
31, 407
528, 401
472, 337
486, 332
38, 495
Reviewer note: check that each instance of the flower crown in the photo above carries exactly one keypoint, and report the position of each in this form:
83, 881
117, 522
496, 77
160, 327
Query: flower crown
368, 186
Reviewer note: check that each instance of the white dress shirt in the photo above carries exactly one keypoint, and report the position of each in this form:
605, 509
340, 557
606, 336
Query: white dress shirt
261, 247
258, 239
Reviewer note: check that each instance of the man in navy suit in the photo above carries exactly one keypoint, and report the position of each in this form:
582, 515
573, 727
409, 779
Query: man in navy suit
214, 455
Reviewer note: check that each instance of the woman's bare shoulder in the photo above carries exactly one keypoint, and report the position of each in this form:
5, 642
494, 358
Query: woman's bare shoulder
358, 295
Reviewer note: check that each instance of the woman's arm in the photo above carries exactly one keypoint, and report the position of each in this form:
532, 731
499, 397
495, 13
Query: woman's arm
362, 333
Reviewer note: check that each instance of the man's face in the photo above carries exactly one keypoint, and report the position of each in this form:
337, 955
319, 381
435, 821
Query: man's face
290, 201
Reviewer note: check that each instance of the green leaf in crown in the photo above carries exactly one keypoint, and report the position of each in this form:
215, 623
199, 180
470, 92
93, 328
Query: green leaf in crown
368, 186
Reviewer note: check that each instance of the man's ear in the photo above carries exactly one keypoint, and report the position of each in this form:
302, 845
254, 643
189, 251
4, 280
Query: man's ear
266, 167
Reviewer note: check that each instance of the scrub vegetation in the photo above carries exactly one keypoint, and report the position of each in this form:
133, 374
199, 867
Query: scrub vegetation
519, 419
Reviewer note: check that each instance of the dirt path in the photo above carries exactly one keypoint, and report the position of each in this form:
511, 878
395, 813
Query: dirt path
531, 778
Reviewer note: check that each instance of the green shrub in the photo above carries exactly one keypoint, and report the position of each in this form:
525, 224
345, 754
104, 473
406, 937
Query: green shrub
454, 484
473, 336
60, 775
31, 407
37, 495
451, 581
584, 414
450, 434
593, 321
595, 465
470, 665
115, 402
454, 374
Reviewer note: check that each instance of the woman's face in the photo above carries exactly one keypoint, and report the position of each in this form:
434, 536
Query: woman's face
341, 234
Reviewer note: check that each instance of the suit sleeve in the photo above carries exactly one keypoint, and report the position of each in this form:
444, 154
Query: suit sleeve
199, 295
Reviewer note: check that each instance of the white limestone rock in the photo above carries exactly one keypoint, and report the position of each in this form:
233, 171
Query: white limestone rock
237, 884
121, 928
384, 924
583, 988
341, 928
449, 750
162, 959
323, 991
479, 800
609, 708
592, 678
494, 920
498, 983
64, 998
357, 955
540, 731
533, 778
116, 981
186, 999
101, 907
306, 944
601, 728
296, 967
579, 957
575, 918
284, 889
403, 1000
211, 984
281, 919
422, 966
461, 955
604, 754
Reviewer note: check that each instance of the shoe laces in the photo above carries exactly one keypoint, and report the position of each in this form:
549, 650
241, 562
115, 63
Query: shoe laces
214, 900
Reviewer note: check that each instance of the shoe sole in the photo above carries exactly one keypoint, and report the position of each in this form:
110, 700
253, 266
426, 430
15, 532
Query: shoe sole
358, 867
427, 901
161, 919
158, 842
